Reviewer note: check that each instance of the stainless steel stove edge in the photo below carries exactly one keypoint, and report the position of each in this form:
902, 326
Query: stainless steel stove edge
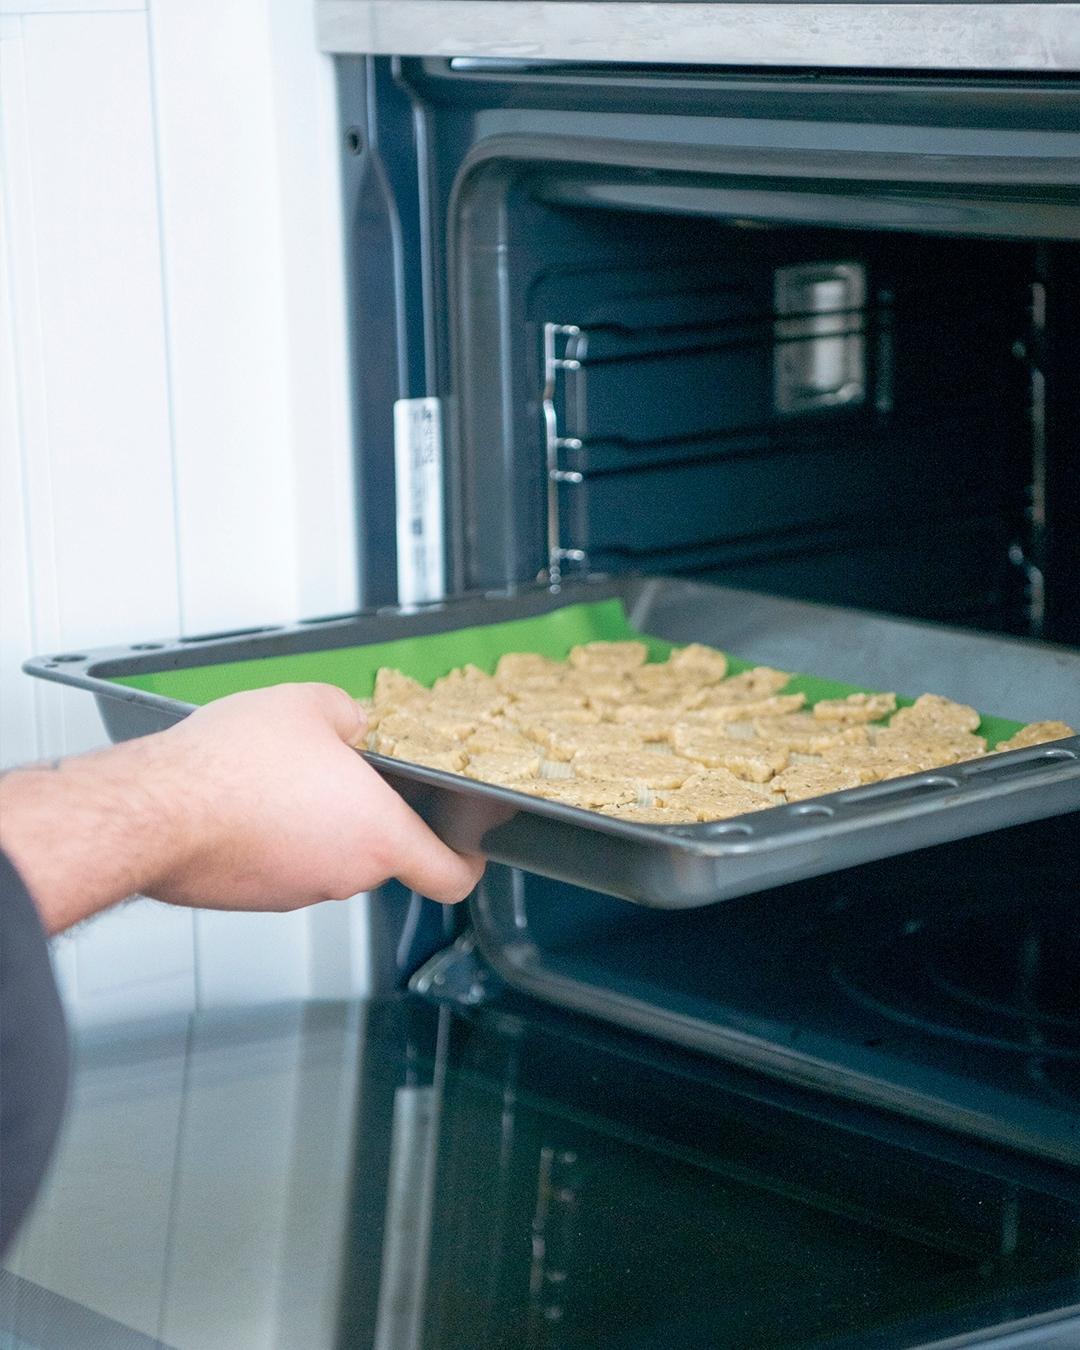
944, 36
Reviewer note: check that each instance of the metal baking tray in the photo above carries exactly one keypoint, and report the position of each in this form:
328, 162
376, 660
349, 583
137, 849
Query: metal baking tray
680, 867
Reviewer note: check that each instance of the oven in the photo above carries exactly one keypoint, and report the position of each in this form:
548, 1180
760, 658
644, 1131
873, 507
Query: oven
813, 337
810, 335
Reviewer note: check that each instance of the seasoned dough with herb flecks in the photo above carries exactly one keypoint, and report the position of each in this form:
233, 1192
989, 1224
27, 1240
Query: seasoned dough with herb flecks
587, 793
855, 708
656, 742
744, 758
932, 739
1037, 733
698, 662
647, 768
504, 767
806, 734
942, 714
563, 742
651, 815
608, 656
423, 752
750, 686
799, 781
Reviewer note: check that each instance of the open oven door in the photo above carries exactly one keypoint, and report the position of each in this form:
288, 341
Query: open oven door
546, 1183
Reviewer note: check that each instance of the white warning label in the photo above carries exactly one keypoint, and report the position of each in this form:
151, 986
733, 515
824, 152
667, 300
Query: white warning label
418, 473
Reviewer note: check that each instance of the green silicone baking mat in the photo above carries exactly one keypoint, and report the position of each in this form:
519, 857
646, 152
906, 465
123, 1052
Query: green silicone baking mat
426, 658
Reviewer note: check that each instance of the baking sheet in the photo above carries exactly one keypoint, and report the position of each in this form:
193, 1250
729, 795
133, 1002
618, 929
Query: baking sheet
146, 686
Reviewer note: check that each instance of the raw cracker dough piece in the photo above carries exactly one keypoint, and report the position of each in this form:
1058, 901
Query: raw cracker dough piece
422, 752
808, 735
447, 720
674, 696
716, 795
651, 724
799, 781
608, 656
506, 769
751, 685
701, 663
727, 808
391, 686
499, 737
564, 742
543, 730
467, 677
876, 763
723, 783
587, 793
772, 705
479, 700
651, 815
705, 784
931, 710
535, 724
600, 686
855, 708
941, 744
1037, 733
743, 758
648, 768
517, 667
664, 678
403, 723
537, 686
399, 729
547, 702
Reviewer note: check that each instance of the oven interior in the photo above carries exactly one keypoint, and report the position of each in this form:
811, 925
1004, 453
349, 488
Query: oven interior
877, 418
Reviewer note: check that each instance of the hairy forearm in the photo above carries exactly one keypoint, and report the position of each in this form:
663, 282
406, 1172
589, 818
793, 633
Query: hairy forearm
87, 832
259, 801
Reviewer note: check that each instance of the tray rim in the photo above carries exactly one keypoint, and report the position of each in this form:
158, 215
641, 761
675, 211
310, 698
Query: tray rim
729, 837
834, 816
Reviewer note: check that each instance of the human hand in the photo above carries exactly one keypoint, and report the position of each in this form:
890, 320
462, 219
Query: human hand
257, 801
281, 810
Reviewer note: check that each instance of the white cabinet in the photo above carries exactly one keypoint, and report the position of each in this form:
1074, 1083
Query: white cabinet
174, 440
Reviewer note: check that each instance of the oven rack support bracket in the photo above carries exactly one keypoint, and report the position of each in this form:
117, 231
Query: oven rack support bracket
560, 339
457, 975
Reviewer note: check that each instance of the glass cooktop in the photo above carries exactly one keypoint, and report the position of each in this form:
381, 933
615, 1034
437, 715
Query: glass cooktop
396, 1175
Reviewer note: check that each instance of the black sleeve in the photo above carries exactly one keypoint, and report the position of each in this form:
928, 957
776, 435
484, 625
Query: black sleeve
33, 1052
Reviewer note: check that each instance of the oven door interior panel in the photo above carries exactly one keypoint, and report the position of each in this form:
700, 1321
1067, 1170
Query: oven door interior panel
570, 1185
941, 984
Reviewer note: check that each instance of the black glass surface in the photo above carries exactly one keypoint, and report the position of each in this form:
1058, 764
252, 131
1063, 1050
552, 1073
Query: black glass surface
949, 976
394, 1175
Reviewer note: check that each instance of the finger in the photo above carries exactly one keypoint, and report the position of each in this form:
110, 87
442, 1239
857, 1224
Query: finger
421, 861
342, 711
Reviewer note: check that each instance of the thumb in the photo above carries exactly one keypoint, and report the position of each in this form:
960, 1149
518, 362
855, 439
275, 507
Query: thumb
343, 713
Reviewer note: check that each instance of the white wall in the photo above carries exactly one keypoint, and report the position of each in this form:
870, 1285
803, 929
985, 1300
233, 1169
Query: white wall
173, 403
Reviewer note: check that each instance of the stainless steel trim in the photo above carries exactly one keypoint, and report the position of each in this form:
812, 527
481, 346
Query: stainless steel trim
554, 441
819, 356
1001, 37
